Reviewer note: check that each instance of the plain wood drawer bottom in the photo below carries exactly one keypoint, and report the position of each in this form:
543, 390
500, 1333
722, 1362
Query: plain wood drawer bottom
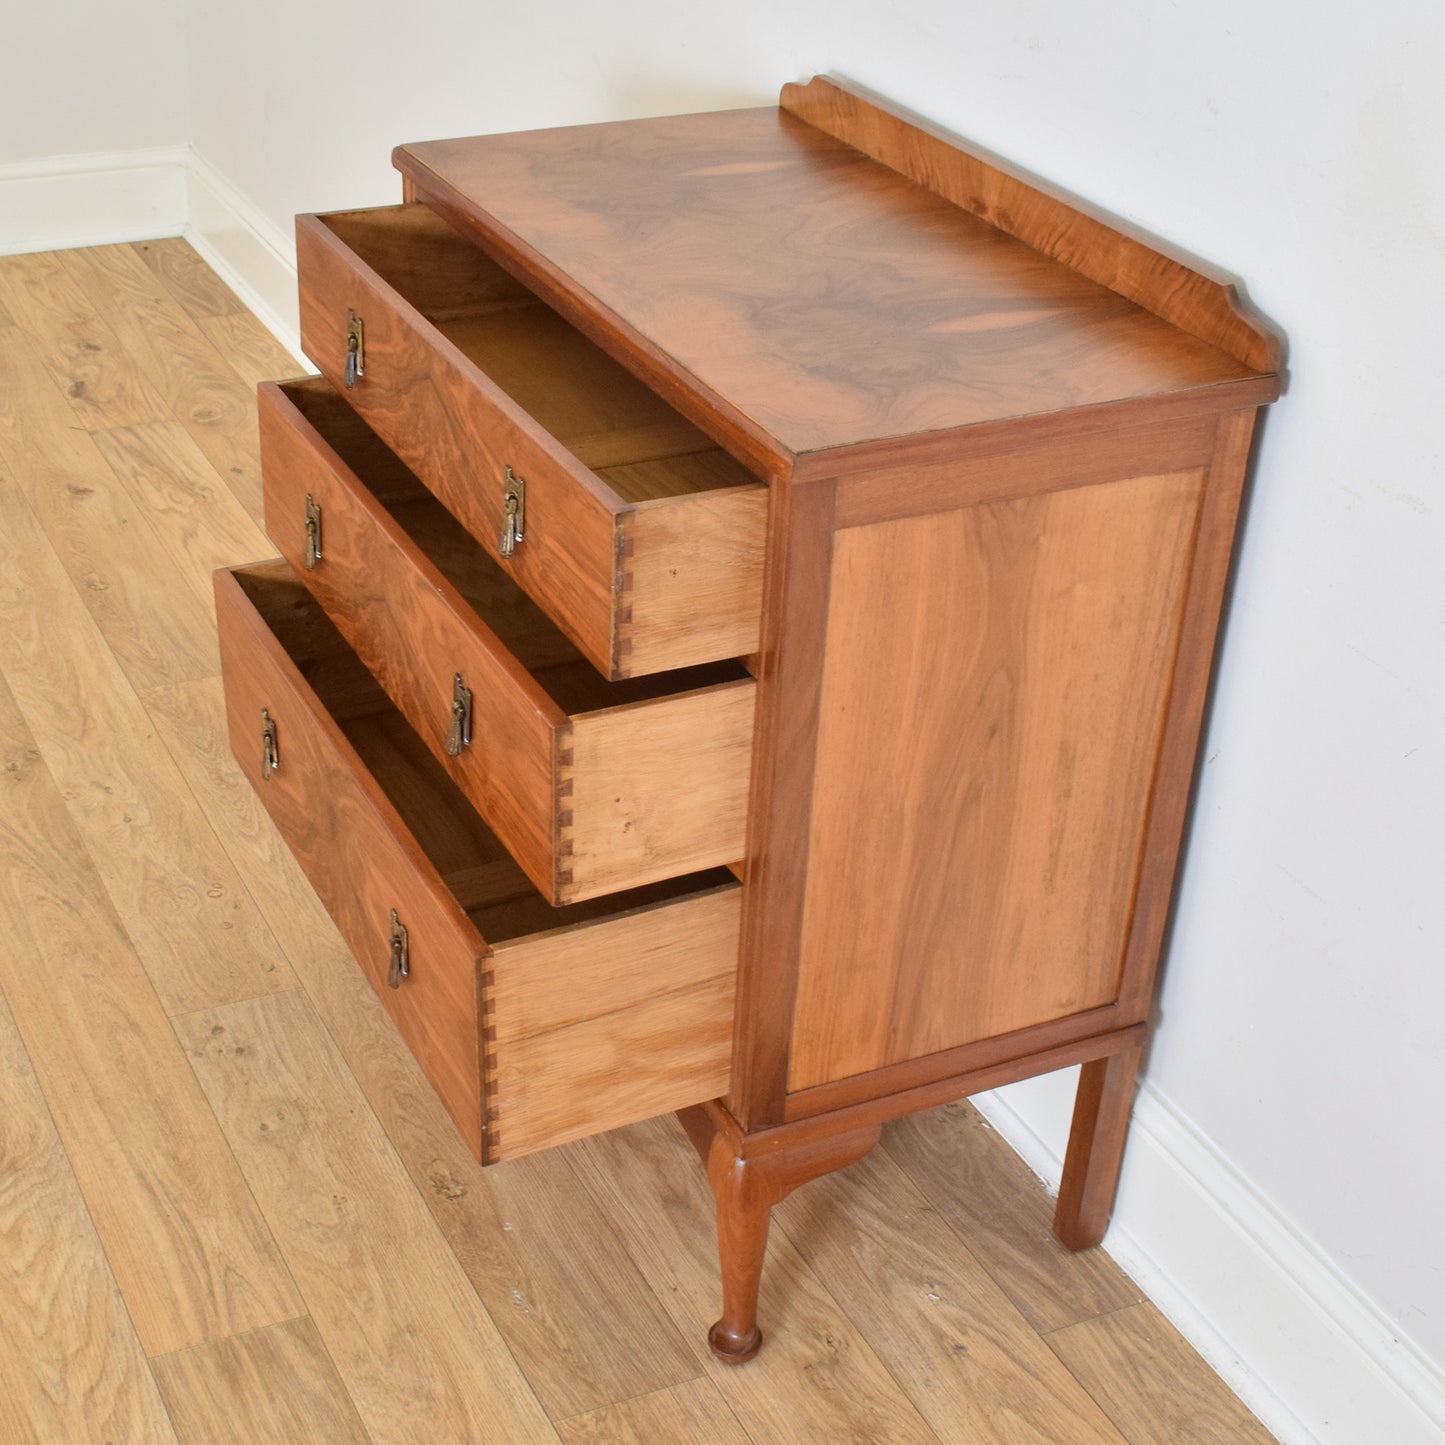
535, 1024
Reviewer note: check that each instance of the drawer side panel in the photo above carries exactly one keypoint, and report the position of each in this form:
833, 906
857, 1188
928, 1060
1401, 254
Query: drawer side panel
692, 580
595, 1028
655, 790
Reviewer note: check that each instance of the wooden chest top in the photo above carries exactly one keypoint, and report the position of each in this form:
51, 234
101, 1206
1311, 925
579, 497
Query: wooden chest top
811, 294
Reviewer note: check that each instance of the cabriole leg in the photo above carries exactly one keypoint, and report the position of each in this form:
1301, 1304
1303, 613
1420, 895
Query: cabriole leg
746, 1187
744, 1214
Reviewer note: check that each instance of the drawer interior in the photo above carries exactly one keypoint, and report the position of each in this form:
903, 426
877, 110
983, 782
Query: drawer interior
596, 408
572, 682
493, 890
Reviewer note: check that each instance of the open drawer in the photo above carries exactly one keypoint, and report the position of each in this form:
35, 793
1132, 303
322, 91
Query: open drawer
642, 539
535, 1025
593, 786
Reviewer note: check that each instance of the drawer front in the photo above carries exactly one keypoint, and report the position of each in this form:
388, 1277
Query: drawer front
415, 635
358, 854
597, 803
666, 579
459, 433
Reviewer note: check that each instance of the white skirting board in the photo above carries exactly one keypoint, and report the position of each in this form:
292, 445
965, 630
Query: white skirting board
55, 202
251, 255
1317, 1362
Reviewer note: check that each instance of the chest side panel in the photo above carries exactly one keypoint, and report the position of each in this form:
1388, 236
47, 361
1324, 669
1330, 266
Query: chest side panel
995, 683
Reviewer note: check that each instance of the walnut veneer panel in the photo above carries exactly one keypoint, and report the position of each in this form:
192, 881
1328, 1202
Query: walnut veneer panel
345, 833
411, 629
1020, 654
808, 294
1197, 300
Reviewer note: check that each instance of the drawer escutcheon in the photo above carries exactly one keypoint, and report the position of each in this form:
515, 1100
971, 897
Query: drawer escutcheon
400, 960
514, 512
313, 533
459, 735
270, 753
355, 349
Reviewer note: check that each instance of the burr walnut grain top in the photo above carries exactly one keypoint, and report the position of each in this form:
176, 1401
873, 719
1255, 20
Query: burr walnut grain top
811, 295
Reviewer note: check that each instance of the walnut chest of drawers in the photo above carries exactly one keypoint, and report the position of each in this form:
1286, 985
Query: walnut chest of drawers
749, 589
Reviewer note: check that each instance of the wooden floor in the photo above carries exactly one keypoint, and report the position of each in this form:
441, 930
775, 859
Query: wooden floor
230, 1208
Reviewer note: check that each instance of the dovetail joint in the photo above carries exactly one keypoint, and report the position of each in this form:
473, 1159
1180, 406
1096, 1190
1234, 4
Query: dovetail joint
626, 548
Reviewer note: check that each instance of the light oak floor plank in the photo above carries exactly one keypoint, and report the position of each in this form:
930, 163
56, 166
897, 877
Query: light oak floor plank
192, 1256
276, 1384
969, 1361
203, 393
418, 1354
198, 519
555, 1277
79, 350
993, 1201
575, 1310
690, 1414
151, 615
816, 1378
197, 930
71, 1366
181, 271
1153, 1383
250, 350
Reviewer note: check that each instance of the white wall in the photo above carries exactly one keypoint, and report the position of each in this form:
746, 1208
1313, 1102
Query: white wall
301, 106
93, 122
1288, 1154
82, 76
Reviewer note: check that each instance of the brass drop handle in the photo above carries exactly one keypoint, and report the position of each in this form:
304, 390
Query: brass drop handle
313, 533
459, 735
355, 350
270, 754
514, 512
400, 962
